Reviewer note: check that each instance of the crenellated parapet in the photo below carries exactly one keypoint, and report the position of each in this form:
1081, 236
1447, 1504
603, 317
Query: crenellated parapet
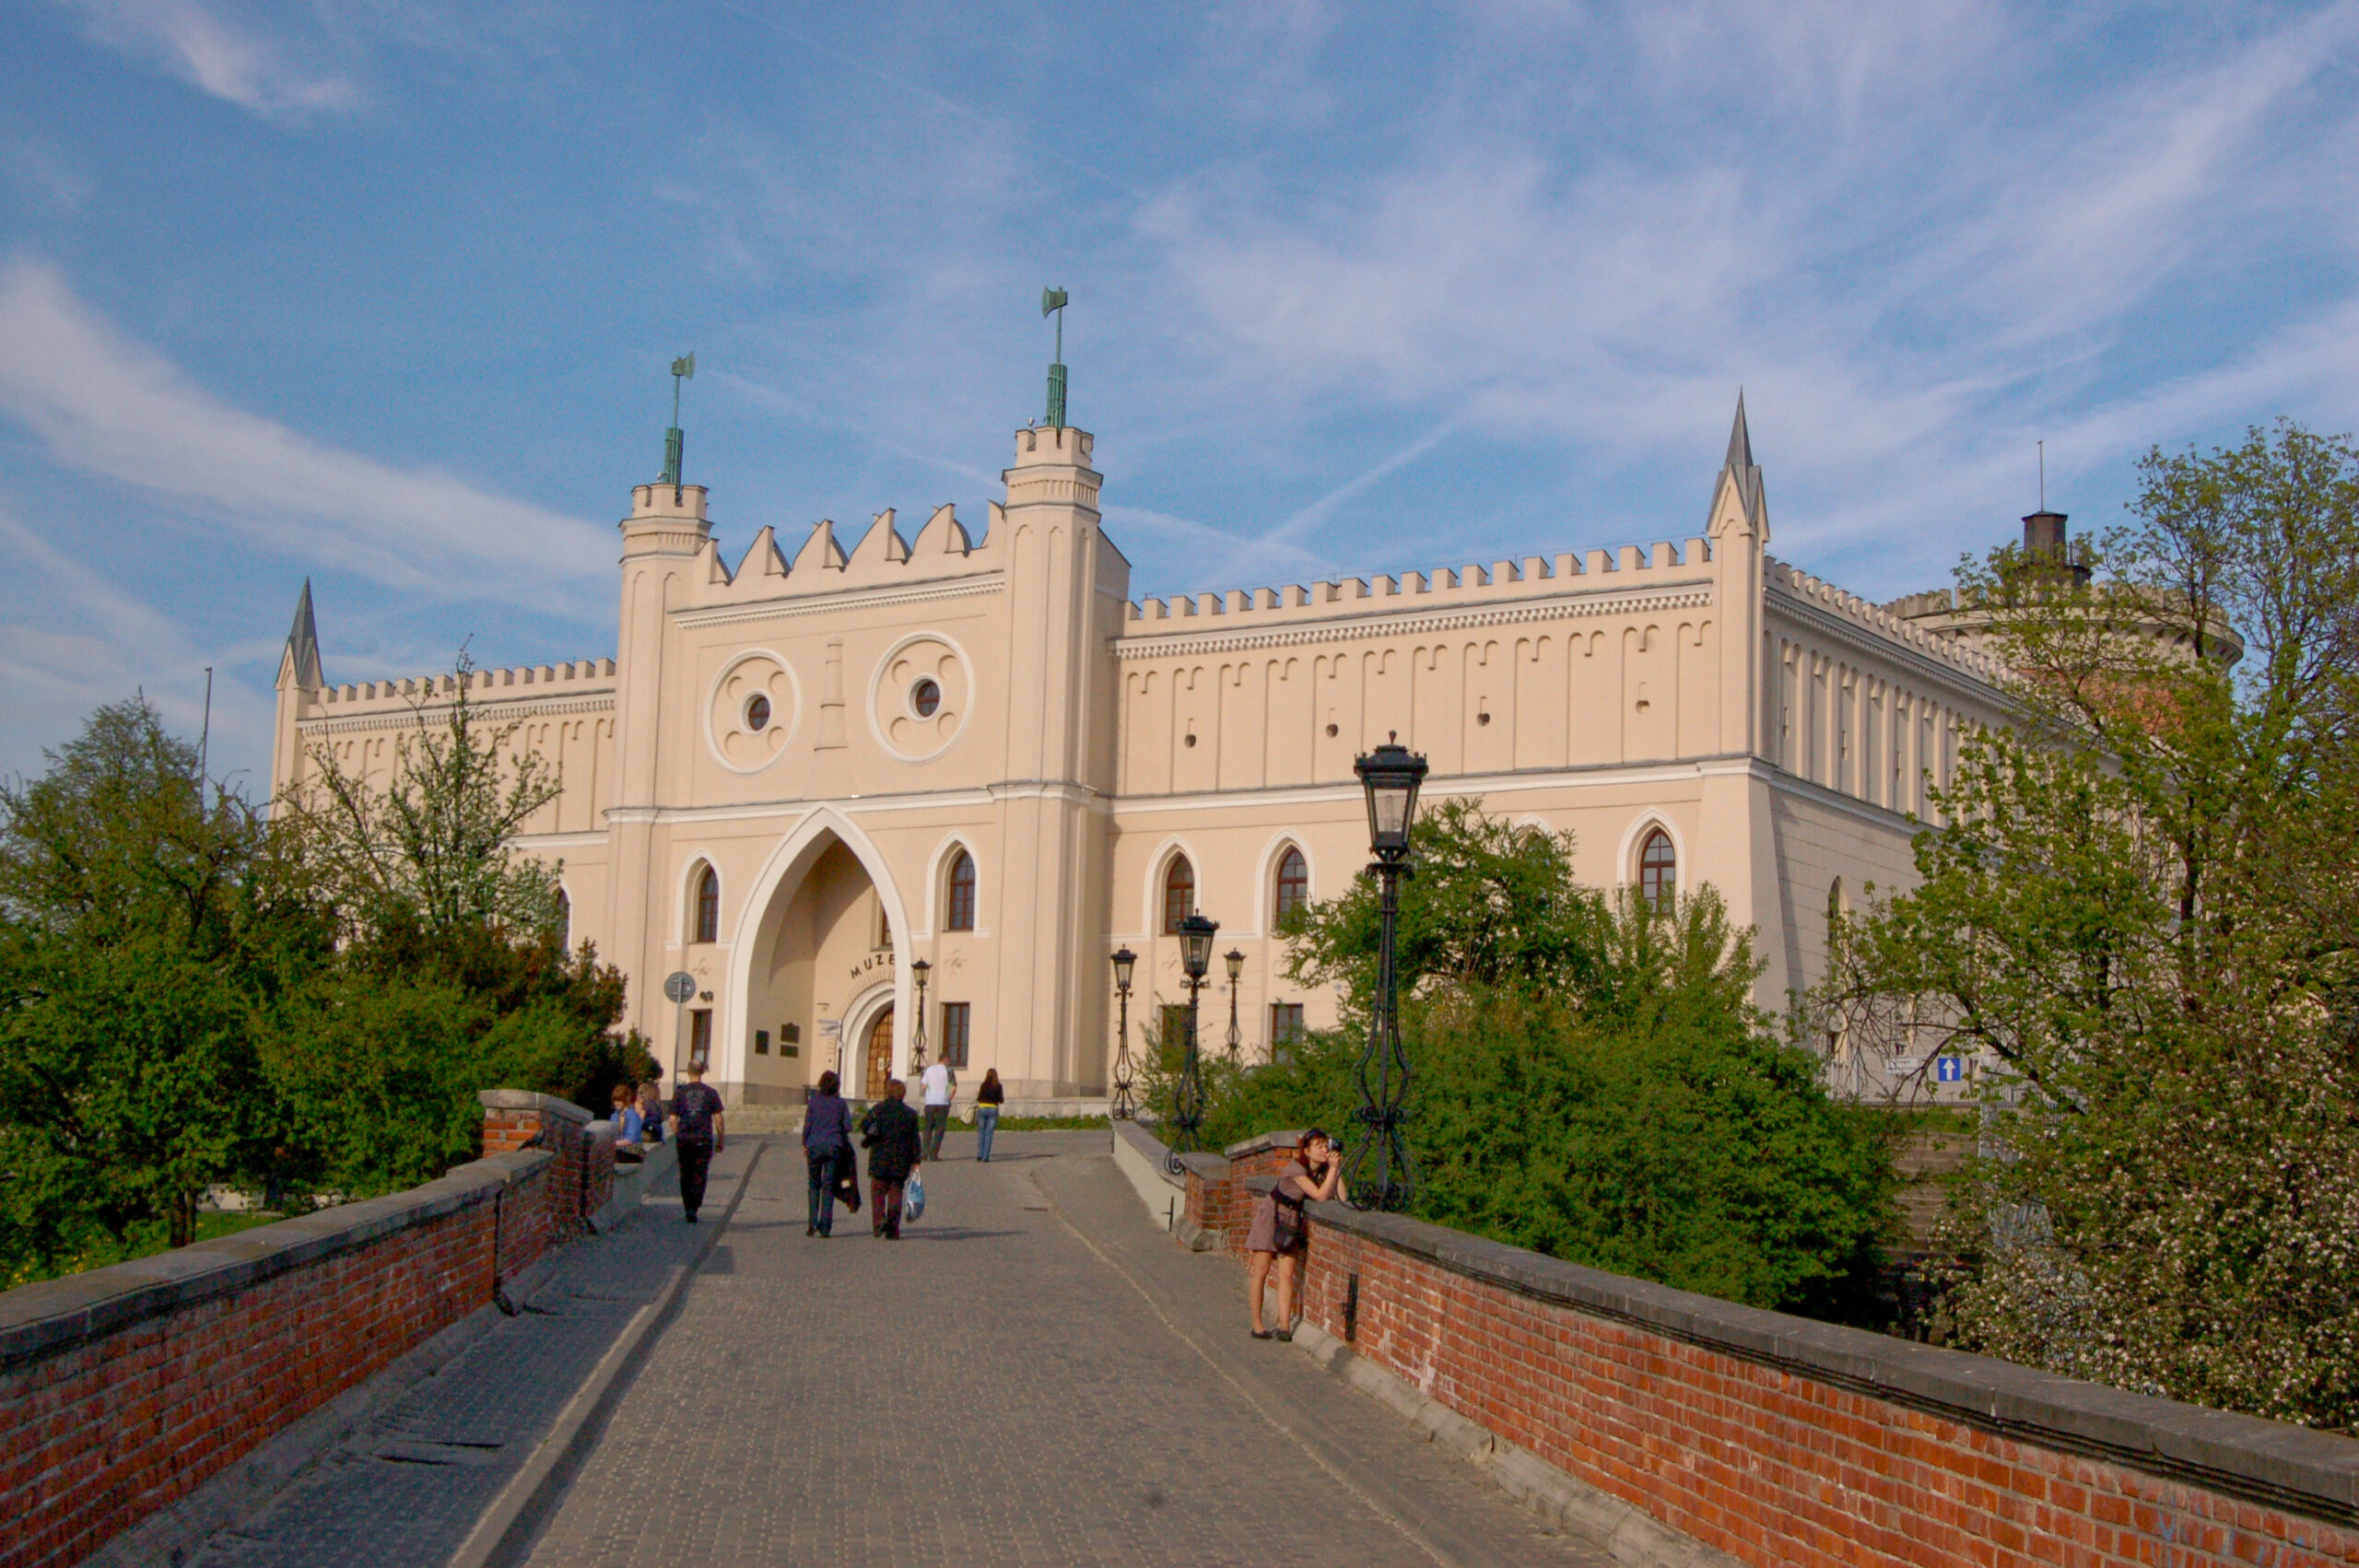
1892, 621
1600, 582
581, 676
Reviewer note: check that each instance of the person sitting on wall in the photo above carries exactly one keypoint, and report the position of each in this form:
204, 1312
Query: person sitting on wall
629, 1127
651, 1108
1280, 1230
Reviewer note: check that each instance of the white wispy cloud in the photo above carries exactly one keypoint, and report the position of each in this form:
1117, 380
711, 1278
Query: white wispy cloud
1914, 263
209, 52
106, 405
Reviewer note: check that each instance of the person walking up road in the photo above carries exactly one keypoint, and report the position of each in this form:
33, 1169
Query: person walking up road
890, 1132
697, 1134
827, 1137
988, 1100
940, 1083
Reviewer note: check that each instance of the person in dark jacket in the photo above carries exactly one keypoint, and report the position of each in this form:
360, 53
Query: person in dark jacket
826, 1135
890, 1132
698, 1133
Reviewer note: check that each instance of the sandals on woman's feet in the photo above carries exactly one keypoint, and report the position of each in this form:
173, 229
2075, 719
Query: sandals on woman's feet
1287, 1335
1263, 1334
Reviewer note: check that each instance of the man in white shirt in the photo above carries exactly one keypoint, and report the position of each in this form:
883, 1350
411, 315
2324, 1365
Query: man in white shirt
940, 1084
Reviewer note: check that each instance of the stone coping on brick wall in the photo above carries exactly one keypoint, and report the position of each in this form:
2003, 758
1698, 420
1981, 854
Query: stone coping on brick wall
1263, 1143
525, 1100
1143, 1142
54, 1315
2311, 1472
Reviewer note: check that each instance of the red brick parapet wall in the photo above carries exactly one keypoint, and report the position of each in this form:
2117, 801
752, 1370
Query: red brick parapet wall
1779, 1440
518, 1119
124, 1389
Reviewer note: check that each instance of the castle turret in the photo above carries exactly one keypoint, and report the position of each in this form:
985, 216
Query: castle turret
664, 538
1737, 833
1066, 588
300, 683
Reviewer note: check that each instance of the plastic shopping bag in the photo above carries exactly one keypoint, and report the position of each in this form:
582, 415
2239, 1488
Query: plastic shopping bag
913, 1198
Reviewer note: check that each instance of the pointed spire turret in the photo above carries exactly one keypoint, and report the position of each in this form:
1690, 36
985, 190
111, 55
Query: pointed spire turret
302, 659
1743, 475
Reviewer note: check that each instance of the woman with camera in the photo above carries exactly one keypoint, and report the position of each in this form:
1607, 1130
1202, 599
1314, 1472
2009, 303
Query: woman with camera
1280, 1231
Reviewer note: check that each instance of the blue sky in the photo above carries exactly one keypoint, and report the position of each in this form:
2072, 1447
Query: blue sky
383, 294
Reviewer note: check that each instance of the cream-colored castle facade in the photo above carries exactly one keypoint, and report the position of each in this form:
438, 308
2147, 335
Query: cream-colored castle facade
799, 774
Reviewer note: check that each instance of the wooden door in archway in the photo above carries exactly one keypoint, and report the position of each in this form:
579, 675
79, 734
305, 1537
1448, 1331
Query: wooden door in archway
880, 1054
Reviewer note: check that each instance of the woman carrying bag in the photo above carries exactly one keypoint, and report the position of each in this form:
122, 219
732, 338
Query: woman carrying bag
987, 1101
826, 1144
889, 1131
1280, 1230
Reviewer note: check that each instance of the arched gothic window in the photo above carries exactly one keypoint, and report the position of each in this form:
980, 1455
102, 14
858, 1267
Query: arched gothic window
1178, 894
959, 913
707, 905
1293, 882
1658, 870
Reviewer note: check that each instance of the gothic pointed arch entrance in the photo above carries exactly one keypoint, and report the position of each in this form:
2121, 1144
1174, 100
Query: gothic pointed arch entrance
814, 968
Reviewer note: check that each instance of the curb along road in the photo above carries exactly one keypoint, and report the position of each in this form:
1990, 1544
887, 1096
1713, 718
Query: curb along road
503, 1535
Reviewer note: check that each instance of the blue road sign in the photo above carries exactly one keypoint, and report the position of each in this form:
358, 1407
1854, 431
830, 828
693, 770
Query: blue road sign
1949, 1069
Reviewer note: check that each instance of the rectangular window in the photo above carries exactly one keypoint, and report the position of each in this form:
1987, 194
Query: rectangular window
761, 1042
1285, 1028
956, 1019
701, 1038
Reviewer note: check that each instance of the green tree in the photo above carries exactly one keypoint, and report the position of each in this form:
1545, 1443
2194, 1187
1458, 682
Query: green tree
2141, 901
453, 973
432, 848
140, 928
1590, 1077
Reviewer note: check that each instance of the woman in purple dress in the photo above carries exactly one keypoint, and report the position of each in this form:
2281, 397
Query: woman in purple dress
1279, 1230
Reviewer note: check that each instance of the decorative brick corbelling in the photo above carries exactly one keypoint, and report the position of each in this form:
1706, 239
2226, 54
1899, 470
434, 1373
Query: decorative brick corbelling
822, 602
1357, 628
495, 710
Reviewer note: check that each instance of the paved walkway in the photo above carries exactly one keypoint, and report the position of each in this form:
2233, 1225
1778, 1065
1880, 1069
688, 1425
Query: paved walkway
408, 1485
1035, 1374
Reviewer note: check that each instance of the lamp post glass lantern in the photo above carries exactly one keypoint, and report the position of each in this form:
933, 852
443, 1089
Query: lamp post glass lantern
1378, 1169
1125, 1106
1196, 934
1390, 776
919, 969
1236, 962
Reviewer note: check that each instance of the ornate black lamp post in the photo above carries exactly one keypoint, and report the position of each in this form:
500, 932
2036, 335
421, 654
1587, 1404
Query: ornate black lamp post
919, 969
1125, 1106
1188, 1103
1236, 962
1379, 1170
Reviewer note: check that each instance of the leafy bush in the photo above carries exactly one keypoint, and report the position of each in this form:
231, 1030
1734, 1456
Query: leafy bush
1590, 1078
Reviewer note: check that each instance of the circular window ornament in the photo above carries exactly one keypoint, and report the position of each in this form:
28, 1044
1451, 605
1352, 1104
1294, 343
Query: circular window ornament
750, 713
919, 697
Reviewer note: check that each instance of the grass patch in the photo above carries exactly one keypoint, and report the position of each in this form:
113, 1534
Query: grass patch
1047, 1124
102, 1252
213, 1226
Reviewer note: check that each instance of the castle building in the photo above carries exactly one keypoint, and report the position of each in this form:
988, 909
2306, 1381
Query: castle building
799, 776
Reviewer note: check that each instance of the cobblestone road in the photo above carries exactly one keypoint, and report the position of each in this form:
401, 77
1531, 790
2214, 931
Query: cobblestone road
1035, 1375
407, 1486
